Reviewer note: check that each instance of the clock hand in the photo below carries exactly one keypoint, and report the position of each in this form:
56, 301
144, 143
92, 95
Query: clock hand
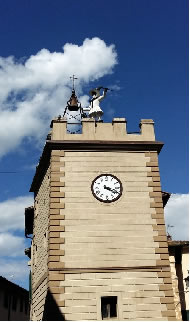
112, 190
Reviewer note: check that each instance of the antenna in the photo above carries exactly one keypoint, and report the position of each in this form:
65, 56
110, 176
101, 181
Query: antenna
73, 81
169, 237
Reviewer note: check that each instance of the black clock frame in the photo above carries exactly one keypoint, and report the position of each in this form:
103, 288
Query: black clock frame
107, 201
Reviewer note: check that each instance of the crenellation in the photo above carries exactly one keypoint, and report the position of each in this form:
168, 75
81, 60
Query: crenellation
92, 130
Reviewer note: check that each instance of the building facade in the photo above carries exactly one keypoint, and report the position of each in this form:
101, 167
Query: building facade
179, 261
14, 301
99, 248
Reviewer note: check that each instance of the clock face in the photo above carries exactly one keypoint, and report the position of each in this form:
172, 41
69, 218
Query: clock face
106, 188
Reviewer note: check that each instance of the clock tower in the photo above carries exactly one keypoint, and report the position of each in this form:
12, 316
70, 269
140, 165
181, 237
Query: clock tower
99, 248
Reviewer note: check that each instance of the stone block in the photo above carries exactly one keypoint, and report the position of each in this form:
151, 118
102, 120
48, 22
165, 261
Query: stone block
164, 256
159, 210
54, 234
156, 178
170, 313
165, 287
57, 229
53, 246
56, 240
57, 290
158, 227
53, 258
161, 232
155, 194
54, 211
155, 169
56, 265
158, 199
162, 262
55, 158
57, 205
53, 222
60, 303
160, 221
60, 153
55, 178
170, 306
167, 280
56, 277
52, 200
55, 168
53, 283
153, 184
160, 239
156, 189
56, 252
55, 189
163, 244
161, 251
57, 194
167, 299
57, 184
164, 274
156, 204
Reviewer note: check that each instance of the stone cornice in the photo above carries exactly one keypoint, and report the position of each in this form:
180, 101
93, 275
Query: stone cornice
88, 145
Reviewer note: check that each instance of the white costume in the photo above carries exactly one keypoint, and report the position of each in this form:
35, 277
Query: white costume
95, 109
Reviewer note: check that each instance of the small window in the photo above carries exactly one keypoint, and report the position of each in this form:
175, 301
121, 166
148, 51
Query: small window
14, 303
109, 307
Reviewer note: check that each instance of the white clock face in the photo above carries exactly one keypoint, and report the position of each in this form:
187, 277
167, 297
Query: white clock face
106, 188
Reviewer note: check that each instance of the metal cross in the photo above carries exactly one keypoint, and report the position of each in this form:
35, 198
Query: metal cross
73, 79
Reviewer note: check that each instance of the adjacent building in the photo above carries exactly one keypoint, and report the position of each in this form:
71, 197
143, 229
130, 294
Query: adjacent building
14, 301
179, 261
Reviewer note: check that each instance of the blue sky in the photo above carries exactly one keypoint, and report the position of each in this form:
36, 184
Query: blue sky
147, 67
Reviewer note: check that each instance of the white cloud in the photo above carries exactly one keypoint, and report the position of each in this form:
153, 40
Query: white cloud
12, 213
34, 91
177, 215
11, 245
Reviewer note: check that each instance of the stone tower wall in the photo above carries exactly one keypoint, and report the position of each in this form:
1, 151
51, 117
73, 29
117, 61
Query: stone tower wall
40, 248
93, 239
97, 249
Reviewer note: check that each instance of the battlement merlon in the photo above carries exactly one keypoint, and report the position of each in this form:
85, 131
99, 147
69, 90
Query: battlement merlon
92, 130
